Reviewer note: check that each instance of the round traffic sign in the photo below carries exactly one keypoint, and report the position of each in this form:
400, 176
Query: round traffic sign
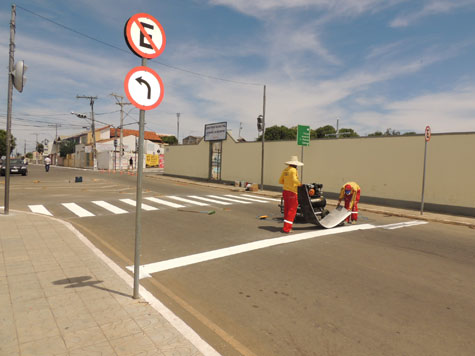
144, 88
145, 36
427, 133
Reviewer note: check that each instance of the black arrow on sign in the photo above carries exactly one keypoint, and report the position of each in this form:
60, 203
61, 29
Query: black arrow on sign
143, 81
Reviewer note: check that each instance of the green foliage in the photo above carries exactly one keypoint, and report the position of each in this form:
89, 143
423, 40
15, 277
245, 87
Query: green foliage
279, 133
29, 155
66, 147
409, 133
40, 148
377, 133
3, 143
323, 132
171, 140
344, 132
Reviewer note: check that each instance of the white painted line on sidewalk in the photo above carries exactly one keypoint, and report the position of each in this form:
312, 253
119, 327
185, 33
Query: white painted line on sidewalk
244, 198
229, 199
164, 202
187, 200
172, 318
112, 208
259, 197
77, 210
403, 224
39, 209
233, 250
134, 203
209, 200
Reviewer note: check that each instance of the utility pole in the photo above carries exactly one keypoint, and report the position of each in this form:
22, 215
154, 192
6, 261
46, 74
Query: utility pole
121, 104
24, 149
56, 126
263, 136
93, 127
6, 205
240, 129
36, 148
178, 127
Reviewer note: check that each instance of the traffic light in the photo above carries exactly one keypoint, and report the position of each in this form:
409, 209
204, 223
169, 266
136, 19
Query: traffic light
18, 74
82, 116
260, 123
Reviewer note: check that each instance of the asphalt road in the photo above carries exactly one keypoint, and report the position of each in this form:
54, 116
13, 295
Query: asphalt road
382, 290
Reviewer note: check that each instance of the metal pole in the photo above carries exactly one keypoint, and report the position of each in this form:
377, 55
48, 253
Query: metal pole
301, 168
94, 153
6, 205
424, 178
263, 136
178, 127
138, 208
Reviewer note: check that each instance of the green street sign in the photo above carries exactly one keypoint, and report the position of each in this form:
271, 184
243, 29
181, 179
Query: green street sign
303, 135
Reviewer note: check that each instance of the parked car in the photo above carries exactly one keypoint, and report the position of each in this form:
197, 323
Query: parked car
16, 166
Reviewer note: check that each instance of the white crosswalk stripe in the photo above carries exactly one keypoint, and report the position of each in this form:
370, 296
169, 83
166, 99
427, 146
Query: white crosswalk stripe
134, 203
209, 200
187, 200
259, 197
112, 208
40, 209
229, 199
164, 202
77, 210
244, 198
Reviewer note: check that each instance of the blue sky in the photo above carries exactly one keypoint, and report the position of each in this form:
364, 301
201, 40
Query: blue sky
371, 64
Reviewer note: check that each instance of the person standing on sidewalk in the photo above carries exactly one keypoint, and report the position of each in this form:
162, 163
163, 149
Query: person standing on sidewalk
47, 163
131, 163
350, 192
290, 179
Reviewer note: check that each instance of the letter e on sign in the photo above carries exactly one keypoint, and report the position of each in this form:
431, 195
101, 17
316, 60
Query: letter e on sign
427, 134
145, 36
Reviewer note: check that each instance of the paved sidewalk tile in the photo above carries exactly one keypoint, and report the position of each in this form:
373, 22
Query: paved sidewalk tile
59, 298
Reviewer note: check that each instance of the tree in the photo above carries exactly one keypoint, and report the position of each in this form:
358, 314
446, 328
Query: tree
344, 132
390, 132
171, 140
3, 143
40, 148
278, 133
29, 155
323, 132
376, 133
409, 133
66, 147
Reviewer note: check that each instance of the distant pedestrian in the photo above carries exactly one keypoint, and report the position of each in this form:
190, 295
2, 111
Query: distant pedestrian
131, 163
47, 163
290, 179
350, 192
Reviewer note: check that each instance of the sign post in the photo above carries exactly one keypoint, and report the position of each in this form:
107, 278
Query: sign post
144, 88
303, 139
427, 139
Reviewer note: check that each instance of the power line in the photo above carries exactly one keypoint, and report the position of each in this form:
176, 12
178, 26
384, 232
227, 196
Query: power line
128, 52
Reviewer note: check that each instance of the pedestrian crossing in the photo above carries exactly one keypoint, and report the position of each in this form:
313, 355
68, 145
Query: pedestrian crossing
122, 206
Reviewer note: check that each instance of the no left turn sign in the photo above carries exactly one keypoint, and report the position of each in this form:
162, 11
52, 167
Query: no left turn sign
144, 88
427, 134
145, 36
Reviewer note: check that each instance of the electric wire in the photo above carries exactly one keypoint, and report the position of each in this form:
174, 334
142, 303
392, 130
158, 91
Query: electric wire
128, 52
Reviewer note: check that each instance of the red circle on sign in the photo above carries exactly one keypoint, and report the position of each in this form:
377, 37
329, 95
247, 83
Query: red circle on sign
133, 46
131, 98
428, 133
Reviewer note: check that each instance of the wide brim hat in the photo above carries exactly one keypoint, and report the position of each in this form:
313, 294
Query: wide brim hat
294, 161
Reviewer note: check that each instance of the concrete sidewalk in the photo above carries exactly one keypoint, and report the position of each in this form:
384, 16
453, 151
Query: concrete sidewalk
59, 295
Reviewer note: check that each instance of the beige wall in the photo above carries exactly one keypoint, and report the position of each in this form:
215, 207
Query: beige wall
385, 167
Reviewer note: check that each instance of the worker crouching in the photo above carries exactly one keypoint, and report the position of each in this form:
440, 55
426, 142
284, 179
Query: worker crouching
350, 192
289, 178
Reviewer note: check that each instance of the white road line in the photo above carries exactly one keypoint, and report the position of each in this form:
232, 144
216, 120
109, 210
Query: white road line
76, 209
209, 200
403, 224
259, 197
133, 203
112, 208
164, 202
187, 200
244, 198
40, 209
233, 250
229, 199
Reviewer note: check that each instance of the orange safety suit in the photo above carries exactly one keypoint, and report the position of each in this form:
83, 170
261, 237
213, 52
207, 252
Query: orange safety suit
351, 200
290, 179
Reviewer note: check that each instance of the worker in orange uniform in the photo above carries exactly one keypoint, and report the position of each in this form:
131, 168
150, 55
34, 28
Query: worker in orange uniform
290, 179
350, 192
